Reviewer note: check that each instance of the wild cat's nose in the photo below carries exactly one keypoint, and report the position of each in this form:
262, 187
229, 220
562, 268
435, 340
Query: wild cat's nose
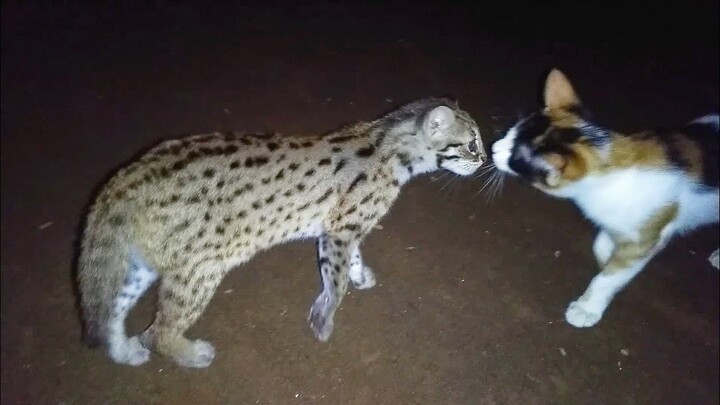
482, 155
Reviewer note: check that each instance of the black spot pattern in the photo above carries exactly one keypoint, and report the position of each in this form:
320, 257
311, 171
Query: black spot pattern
366, 151
360, 178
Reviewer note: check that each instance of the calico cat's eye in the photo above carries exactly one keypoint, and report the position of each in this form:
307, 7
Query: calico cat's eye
473, 147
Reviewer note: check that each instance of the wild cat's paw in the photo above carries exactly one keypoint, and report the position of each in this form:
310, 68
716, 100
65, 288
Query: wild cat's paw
196, 354
363, 279
580, 315
714, 259
321, 316
130, 352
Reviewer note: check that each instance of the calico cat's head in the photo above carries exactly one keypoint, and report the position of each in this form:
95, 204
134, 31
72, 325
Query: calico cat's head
555, 146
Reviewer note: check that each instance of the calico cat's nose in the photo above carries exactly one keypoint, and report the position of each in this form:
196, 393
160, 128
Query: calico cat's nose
498, 145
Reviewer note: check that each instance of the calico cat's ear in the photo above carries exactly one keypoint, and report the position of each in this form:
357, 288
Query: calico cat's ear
438, 120
559, 93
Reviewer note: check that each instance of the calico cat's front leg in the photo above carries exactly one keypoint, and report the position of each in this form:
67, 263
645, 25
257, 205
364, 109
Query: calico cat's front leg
334, 255
621, 259
603, 247
626, 261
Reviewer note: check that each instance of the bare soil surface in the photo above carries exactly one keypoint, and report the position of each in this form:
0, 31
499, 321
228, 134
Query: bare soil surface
470, 303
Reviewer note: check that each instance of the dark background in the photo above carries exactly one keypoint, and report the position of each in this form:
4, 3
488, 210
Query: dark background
471, 298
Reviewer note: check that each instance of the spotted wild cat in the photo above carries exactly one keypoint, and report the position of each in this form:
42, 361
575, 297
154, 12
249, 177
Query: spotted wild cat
191, 209
641, 189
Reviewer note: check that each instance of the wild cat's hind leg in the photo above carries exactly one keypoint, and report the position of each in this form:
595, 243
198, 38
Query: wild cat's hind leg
122, 349
361, 276
183, 297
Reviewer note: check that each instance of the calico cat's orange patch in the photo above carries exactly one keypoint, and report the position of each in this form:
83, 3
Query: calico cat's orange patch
631, 151
630, 251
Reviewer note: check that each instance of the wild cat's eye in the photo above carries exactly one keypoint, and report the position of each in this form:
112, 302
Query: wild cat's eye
473, 147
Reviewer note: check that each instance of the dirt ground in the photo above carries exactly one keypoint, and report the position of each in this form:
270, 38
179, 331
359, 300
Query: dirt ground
471, 295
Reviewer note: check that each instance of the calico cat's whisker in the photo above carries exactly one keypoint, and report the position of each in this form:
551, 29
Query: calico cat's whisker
485, 184
498, 189
491, 189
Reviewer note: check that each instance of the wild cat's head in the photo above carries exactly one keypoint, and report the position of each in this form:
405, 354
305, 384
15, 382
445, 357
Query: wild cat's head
555, 146
444, 136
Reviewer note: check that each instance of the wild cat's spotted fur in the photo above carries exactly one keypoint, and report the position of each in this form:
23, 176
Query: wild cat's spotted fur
191, 209
641, 189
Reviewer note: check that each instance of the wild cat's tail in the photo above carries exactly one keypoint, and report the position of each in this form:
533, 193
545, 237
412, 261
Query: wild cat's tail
102, 266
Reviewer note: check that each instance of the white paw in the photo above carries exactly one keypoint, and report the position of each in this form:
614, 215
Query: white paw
147, 338
130, 352
364, 279
580, 316
321, 316
199, 355
714, 259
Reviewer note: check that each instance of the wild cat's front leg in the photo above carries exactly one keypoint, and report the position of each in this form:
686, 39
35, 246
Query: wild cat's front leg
621, 259
334, 253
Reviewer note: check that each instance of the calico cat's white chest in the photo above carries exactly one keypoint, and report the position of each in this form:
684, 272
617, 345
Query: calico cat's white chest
623, 201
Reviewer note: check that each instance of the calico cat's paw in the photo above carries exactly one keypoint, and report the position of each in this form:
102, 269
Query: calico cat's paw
581, 316
714, 259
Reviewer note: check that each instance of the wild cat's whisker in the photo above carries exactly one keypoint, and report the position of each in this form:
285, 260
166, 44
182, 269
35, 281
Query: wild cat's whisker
433, 180
485, 171
449, 181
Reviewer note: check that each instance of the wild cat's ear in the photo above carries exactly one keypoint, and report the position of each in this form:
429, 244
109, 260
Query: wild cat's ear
438, 120
559, 93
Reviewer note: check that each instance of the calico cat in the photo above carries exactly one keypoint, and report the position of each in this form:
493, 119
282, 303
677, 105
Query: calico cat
641, 189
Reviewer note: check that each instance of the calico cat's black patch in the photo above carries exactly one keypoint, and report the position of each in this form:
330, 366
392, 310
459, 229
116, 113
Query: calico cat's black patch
706, 137
523, 151
531, 127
